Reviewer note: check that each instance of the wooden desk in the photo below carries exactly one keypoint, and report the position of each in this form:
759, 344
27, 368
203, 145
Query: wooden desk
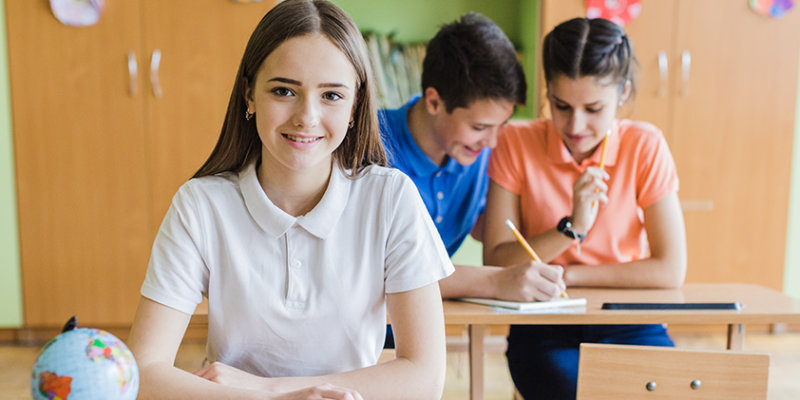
760, 306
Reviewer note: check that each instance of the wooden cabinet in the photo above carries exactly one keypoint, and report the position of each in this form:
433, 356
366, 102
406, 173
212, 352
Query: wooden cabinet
99, 154
726, 102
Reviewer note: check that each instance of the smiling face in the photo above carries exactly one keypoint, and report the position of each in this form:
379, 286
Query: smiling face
464, 132
583, 111
303, 98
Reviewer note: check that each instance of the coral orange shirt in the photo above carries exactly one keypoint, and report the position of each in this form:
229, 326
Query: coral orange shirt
532, 161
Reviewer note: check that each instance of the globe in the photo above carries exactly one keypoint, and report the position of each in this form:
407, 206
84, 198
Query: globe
85, 364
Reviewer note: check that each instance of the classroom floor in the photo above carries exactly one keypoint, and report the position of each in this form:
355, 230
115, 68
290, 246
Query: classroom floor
784, 350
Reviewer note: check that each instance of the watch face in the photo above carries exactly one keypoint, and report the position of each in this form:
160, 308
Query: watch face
565, 227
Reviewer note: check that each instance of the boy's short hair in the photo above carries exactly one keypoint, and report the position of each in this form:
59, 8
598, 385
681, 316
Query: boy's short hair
472, 59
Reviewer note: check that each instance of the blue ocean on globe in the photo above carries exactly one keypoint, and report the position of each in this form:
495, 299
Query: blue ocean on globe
85, 364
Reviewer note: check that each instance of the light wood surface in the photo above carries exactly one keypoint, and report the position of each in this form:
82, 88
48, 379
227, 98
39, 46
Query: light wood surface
624, 372
760, 305
730, 128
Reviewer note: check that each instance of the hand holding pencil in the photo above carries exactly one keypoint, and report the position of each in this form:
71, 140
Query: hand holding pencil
527, 247
590, 186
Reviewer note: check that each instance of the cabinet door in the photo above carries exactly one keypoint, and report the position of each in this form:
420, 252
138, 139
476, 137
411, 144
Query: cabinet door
201, 44
82, 177
653, 44
732, 135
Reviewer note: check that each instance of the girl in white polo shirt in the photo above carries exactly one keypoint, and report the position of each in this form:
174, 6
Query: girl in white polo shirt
298, 236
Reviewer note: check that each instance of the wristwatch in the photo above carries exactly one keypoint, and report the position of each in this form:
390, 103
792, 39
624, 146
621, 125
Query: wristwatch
565, 228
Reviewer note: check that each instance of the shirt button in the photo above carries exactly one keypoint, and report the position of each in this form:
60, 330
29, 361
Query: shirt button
296, 263
439, 219
439, 174
440, 195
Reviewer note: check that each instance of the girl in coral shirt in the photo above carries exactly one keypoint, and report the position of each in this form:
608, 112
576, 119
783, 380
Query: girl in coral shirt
616, 226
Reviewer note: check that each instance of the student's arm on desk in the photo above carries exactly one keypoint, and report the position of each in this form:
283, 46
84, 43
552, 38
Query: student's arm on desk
666, 266
416, 373
154, 340
527, 281
419, 369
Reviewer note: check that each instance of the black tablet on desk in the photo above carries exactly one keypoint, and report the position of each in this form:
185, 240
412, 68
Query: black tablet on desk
672, 306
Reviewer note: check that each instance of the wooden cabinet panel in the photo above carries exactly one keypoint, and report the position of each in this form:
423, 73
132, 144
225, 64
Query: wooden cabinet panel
732, 137
730, 125
80, 163
201, 44
98, 163
651, 37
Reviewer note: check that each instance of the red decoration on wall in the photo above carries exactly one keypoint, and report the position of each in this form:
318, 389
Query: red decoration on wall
620, 12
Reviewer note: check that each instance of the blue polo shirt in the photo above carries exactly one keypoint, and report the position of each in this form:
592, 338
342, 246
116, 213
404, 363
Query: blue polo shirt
454, 194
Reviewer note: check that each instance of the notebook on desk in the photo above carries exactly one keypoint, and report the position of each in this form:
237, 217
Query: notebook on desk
530, 305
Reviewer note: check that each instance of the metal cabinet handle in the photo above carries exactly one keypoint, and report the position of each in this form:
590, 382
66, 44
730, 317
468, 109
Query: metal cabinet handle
155, 63
697, 205
686, 66
133, 73
663, 73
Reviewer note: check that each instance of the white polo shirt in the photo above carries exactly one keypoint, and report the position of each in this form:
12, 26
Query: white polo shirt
294, 296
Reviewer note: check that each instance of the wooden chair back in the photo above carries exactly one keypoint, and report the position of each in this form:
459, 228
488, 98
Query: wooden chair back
647, 372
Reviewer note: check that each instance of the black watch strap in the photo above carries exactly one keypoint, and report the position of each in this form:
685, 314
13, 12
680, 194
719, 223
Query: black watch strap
565, 228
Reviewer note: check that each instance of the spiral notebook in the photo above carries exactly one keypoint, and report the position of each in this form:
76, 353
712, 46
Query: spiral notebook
530, 305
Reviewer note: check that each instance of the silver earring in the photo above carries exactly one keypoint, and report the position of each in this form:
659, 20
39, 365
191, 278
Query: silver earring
350, 124
248, 115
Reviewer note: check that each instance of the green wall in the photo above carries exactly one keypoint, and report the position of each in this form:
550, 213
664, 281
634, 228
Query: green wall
791, 279
10, 285
418, 20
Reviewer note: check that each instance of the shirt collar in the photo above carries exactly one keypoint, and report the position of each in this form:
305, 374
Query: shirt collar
320, 221
558, 153
420, 163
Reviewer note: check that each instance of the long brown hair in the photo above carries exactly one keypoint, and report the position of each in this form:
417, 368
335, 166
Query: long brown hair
239, 143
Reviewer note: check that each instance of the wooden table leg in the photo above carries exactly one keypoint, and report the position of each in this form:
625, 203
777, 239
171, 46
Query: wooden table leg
736, 337
476, 335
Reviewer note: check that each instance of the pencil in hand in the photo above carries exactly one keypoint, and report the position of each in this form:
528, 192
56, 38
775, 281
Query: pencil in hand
603, 151
602, 158
527, 247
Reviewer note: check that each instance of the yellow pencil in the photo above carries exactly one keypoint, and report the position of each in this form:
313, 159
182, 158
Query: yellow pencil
602, 158
603, 152
527, 246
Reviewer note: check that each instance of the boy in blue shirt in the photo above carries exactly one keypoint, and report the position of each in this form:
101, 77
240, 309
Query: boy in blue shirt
471, 81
